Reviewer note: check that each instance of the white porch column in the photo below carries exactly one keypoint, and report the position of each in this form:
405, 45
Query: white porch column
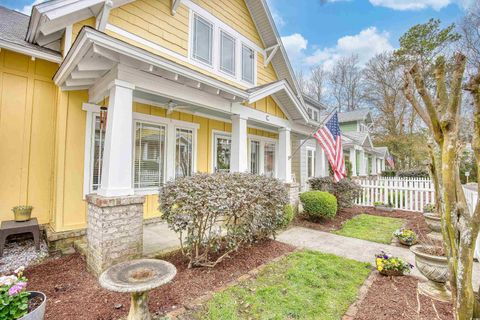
239, 155
319, 161
284, 151
353, 161
374, 165
117, 156
363, 167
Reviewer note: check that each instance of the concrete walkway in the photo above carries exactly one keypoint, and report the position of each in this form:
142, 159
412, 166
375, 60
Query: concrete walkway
352, 248
158, 238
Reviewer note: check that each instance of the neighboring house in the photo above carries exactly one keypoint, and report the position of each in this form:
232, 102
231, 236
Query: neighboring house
188, 86
310, 161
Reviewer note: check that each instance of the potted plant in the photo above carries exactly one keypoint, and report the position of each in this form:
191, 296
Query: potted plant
406, 236
16, 302
431, 261
383, 206
22, 213
389, 265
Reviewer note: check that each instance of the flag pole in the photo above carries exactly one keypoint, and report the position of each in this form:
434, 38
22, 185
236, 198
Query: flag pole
329, 115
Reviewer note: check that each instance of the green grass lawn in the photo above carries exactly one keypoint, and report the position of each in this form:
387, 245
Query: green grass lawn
303, 285
372, 228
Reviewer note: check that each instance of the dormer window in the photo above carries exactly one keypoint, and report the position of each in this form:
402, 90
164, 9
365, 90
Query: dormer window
227, 53
202, 40
248, 59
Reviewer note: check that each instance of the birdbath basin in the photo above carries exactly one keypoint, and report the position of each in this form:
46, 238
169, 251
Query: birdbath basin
138, 277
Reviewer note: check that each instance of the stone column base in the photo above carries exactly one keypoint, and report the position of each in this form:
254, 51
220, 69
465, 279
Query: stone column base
293, 190
114, 230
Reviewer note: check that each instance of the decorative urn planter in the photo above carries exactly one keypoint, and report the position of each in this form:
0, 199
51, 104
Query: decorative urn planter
434, 223
37, 313
435, 269
22, 213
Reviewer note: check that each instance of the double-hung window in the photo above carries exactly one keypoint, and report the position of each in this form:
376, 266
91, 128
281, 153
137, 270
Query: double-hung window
98, 144
255, 157
149, 163
248, 64
227, 53
222, 149
269, 159
310, 163
183, 152
202, 40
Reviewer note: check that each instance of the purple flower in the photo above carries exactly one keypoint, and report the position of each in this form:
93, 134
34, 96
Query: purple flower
16, 288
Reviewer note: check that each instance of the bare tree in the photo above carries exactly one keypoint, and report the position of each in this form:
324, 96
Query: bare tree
441, 113
302, 81
470, 31
345, 82
317, 83
384, 91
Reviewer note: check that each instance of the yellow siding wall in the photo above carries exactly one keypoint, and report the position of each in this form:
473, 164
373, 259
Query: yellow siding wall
269, 106
27, 134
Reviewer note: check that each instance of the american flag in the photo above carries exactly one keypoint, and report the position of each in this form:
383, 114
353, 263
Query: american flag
390, 161
330, 139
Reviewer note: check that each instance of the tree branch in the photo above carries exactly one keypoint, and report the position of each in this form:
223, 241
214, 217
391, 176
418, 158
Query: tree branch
456, 92
427, 100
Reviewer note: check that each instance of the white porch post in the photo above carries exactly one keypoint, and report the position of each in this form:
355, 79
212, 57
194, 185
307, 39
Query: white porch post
239, 155
319, 161
353, 162
284, 151
374, 165
363, 167
117, 156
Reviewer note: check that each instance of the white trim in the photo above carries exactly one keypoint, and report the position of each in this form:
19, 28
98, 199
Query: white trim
313, 151
30, 51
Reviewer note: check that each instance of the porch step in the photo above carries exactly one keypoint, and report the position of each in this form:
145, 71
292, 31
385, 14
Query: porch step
80, 246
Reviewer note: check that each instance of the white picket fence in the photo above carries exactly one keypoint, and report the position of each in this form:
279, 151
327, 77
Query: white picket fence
409, 194
472, 197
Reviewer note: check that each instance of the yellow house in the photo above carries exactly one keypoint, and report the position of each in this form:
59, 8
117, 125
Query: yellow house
116, 97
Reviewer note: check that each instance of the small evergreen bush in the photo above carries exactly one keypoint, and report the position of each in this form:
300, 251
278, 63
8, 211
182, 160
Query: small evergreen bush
345, 191
289, 214
319, 204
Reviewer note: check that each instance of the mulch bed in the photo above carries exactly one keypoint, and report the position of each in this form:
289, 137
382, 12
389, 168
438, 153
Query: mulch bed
415, 220
397, 298
73, 293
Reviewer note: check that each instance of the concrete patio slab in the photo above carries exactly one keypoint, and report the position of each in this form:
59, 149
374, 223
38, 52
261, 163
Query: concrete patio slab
352, 248
158, 238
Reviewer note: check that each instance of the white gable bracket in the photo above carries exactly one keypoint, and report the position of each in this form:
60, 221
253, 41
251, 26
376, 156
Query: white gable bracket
269, 56
175, 5
102, 16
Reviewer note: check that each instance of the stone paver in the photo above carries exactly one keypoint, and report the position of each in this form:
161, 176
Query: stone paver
352, 248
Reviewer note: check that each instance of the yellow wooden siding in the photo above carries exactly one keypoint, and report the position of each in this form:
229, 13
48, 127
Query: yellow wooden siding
265, 74
269, 106
27, 133
153, 21
79, 25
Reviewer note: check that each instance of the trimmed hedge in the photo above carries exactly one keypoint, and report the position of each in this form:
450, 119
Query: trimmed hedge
319, 204
289, 214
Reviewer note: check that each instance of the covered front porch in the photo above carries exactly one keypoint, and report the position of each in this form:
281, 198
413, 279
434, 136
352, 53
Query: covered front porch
151, 120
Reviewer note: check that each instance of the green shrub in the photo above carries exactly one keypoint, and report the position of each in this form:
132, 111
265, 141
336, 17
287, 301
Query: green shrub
388, 173
345, 191
413, 173
318, 204
215, 214
289, 214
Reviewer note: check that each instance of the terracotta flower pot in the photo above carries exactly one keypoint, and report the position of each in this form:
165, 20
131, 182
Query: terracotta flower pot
39, 312
22, 213
435, 269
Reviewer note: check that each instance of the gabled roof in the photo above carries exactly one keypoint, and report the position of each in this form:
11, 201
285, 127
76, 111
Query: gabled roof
355, 115
13, 27
313, 103
361, 138
382, 151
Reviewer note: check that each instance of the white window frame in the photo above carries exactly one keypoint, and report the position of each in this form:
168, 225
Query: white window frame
170, 144
263, 140
215, 135
312, 163
212, 45
194, 146
253, 64
220, 53
163, 170
218, 26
